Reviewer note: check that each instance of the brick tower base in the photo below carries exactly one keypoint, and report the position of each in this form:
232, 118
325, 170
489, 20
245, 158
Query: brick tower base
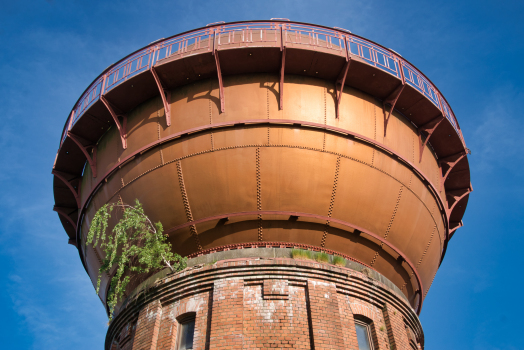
243, 302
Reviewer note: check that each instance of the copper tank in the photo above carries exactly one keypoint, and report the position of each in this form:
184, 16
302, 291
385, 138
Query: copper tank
255, 134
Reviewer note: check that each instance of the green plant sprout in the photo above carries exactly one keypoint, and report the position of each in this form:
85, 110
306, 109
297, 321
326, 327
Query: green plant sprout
338, 260
322, 257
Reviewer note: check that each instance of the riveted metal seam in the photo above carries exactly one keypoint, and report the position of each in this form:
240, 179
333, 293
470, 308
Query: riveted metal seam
288, 146
187, 207
390, 223
332, 201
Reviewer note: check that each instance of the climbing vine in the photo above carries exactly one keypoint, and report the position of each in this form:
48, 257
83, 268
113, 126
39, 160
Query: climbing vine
135, 246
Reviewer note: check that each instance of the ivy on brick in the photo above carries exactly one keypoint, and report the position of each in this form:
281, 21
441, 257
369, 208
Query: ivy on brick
135, 246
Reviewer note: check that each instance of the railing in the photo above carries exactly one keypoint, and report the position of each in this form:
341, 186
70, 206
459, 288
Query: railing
245, 34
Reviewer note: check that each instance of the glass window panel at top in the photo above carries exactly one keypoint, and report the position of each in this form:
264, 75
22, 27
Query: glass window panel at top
363, 337
186, 335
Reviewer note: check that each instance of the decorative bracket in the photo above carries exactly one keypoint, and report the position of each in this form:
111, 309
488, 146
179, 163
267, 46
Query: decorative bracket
393, 97
80, 143
391, 100
450, 161
166, 96
62, 176
282, 68
121, 127
341, 80
456, 225
456, 196
219, 72
63, 212
428, 129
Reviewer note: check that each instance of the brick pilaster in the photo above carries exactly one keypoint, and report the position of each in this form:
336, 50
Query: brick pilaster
325, 315
147, 327
397, 335
227, 314
348, 323
168, 330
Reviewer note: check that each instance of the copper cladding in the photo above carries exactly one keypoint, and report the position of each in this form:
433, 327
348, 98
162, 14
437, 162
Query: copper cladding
253, 156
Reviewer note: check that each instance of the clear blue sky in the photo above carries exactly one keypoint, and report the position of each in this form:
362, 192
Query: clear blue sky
51, 50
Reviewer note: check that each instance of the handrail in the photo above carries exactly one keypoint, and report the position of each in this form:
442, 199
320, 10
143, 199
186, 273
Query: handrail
232, 34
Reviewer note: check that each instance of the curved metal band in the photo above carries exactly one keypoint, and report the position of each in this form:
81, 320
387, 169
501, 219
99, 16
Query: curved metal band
291, 122
313, 216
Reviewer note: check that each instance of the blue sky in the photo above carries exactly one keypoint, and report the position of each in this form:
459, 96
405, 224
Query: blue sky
51, 50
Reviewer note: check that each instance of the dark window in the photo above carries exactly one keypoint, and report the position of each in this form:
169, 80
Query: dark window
363, 335
186, 325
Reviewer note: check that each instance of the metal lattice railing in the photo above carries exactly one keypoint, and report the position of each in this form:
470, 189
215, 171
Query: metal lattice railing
336, 41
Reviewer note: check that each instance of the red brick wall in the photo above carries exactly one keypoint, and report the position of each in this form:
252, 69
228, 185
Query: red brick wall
349, 333
227, 314
397, 334
378, 326
147, 327
275, 316
325, 315
263, 310
198, 304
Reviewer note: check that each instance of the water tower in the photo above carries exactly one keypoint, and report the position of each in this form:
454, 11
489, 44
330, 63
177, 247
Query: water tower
248, 140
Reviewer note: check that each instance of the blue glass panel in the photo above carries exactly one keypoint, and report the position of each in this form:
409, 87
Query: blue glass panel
186, 335
362, 337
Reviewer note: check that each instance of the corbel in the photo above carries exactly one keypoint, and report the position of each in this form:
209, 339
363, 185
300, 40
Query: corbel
341, 80
165, 94
393, 98
121, 127
428, 129
456, 196
456, 225
76, 192
450, 162
392, 101
219, 72
80, 143
63, 212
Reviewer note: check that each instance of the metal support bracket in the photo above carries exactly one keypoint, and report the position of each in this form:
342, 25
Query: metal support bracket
282, 68
341, 80
63, 212
165, 94
428, 129
80, 143
121, 127
449, 161
76, 192
456, 196
455, 227
219, 73
391, 100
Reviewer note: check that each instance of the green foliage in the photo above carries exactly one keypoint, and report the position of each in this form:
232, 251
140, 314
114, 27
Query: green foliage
135, 246
302, 254
308, 254
338, 260
322, 257
296, 253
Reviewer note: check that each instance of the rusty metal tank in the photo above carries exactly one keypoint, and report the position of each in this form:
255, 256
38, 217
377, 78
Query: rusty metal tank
271, 133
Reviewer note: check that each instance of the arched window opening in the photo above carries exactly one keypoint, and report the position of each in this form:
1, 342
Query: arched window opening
186, 331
